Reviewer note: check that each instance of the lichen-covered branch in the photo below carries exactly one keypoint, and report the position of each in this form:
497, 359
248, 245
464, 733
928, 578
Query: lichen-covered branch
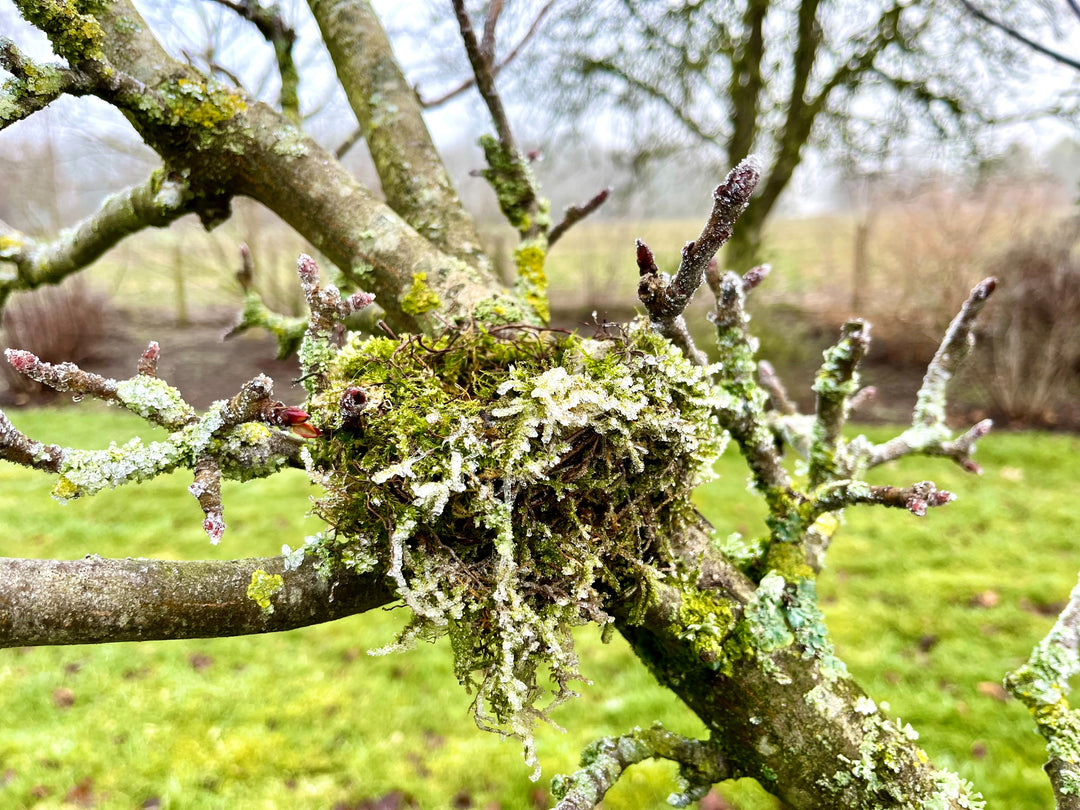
269, 22
158, 202
232, 439
412, 175
34, 86
1042, 685
701, 765
96, 600
916, 498
929, 433
836, 383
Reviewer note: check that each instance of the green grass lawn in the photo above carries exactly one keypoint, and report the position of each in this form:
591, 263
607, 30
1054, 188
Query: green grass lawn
927, 612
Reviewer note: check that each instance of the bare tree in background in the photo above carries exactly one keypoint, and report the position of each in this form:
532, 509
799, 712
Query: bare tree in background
719, 81
504, 480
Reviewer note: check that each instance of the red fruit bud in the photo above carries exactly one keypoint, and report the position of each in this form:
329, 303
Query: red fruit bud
307, 269
22, 361
292, 415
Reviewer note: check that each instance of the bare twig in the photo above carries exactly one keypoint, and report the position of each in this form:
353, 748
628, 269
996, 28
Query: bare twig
1013, 33
485, 77
497, 66
702, 764
778, 395
575, 213
666, 301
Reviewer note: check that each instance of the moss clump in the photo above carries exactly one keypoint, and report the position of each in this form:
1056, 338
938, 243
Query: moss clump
511, 487
420, 298
512, 181
72, 29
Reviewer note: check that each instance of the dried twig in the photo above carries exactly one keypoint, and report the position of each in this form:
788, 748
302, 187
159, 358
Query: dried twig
496, 66
575, 213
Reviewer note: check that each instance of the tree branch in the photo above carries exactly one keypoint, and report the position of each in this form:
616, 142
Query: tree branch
929, 433
575, 213
664, 301
34, 86
412, 175
95, 600
270, 23
701, 764
836, 383
1015, 34
438, 101
1042, 685
157, 203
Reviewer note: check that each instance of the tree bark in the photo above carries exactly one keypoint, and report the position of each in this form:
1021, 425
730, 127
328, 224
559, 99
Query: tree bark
96, 600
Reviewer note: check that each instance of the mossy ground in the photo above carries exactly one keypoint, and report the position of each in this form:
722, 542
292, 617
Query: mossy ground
306, 719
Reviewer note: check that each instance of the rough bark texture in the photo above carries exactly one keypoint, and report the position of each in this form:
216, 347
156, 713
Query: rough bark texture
96, 600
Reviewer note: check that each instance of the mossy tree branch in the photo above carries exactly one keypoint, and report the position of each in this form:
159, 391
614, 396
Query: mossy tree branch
269, 22
157, 203
96, 600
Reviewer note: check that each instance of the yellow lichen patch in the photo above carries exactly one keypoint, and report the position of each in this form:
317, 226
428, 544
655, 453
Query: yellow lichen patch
529, 260
420, 298
252, 432
262, 587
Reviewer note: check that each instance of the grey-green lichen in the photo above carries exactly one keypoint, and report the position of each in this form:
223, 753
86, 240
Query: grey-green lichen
514, 185
510, 487
72, 28
262, 587
781, 615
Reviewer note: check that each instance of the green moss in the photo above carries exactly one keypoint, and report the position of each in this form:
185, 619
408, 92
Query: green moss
512, 182
420, 298
72, 29
529, 259
262, 587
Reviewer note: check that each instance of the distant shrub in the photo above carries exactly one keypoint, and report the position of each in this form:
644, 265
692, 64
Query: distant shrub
1029, 353
58, 324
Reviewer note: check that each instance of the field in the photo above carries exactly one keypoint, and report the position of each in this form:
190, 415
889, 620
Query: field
928, 614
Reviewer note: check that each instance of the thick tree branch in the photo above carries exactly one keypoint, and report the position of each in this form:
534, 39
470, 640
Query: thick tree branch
412, 174
220, 139
95, 600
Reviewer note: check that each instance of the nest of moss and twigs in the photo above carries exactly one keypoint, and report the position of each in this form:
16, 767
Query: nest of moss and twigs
513, 483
